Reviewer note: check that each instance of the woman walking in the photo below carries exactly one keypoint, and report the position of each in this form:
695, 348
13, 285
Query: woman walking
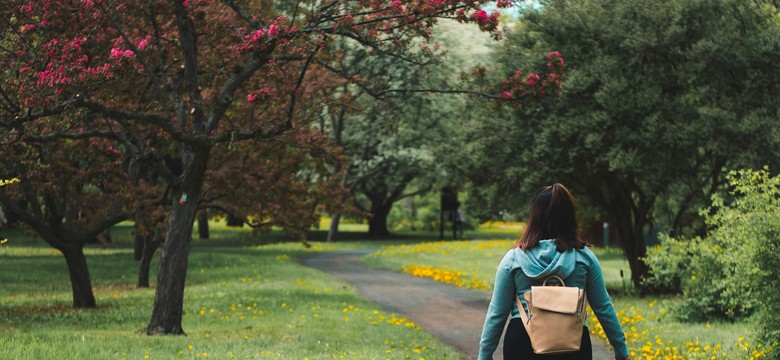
549, 246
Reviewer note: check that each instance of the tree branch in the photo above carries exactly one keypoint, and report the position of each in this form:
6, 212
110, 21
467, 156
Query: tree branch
415, 193
188, 41
243, 14
58, 135
224, 98
291, 111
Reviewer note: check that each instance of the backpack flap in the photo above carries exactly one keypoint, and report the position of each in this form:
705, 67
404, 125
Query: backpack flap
564, 300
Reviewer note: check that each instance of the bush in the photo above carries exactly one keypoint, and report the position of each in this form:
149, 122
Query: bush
734, 270
704, 272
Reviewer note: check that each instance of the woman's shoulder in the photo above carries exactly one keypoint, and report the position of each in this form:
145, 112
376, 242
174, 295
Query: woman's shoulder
587, 254
510, 254
509, 258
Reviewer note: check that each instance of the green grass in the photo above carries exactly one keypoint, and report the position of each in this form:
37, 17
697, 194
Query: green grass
646, 321
242, 301
247, 298
480, 259
474, 258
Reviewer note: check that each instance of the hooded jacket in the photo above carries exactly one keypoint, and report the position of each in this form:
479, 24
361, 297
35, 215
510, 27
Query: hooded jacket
519, 269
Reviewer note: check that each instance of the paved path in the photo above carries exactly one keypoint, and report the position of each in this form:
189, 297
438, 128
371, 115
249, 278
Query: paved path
452, 314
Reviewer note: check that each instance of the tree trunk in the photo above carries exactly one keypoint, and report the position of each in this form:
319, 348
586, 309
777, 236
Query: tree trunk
336, 218
203, 224
334, 227
150, 247
234, 221
635, 250
629, 212
377, 223
79, 276
138, 245
169, 296
412, 212
632, 238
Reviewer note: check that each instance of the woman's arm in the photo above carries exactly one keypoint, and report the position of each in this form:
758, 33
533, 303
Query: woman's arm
498, 311
602, 306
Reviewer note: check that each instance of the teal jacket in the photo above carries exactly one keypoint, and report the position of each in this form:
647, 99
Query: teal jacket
520, 269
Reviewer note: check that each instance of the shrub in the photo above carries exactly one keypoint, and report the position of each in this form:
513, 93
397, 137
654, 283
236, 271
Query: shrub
733, 271
703, 271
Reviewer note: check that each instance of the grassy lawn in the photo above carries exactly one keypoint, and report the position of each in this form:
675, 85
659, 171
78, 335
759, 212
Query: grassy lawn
651, 332
247, 298
243, 301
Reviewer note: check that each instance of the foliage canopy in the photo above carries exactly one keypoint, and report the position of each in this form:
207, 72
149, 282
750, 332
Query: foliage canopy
658, 100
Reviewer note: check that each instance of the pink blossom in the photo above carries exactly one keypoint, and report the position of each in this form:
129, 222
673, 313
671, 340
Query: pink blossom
28, 28
505, 95
115, 53
258, 34
494, 17
479, 15
505, 3
143, 44
76, 43
186, 3
251, 98
550, 56
273, 30
532, 79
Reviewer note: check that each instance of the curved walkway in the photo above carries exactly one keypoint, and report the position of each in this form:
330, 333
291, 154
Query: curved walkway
454, 315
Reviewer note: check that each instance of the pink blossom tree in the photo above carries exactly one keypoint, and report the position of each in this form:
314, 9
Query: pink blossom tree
197, 75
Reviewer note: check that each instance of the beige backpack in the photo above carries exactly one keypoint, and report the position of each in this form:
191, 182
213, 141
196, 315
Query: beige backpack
557, 315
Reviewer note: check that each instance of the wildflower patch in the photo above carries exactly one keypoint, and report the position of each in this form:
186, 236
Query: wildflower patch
456, 278
648, 342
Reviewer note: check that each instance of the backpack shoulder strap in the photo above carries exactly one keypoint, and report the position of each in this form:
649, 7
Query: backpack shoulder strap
523, 315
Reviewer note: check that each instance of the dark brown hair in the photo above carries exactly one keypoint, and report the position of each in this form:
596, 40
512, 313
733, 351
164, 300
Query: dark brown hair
553, 216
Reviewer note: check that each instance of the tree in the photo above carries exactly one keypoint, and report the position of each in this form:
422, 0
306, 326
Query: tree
394, 155
73, 194
294, 166
388, 143
393, 145
658, 101
377, 164
196, 74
